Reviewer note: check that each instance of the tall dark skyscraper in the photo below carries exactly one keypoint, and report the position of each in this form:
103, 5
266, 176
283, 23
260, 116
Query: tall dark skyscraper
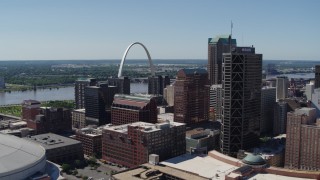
241, 103
191, 96
80, 85
317, 77
156, 84
217, 46
122, 83
98, 101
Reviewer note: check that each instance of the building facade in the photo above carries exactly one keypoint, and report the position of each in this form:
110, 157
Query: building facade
30, 108
191, 96
130, 145
168, 95
91, 139
315, 100
200, 141
317, 77
280, 117
309, 91
216, 47
79, 89
241, 103
55, 120
302, 140
156, 84
268, 100
59, 149
282, 84
98, 100
133, 108
79, 118
122, 83
216, 100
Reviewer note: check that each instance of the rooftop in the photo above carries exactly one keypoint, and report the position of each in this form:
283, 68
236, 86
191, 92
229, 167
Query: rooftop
252, 159
132, 100
194, 71
148, 171
52, 141
80, 110
224, 39
17, 153
85, 79
142, 126
212, 168
166, 117
214, 86
197, 133
30, 102
14, 131
91, 131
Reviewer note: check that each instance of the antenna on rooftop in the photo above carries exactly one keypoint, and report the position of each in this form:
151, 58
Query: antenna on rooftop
231, 28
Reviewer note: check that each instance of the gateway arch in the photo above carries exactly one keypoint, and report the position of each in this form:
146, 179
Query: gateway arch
125, 55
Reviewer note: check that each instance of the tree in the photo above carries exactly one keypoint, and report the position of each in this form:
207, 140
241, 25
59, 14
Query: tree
66, 168
75, 172
92, 160
77, 163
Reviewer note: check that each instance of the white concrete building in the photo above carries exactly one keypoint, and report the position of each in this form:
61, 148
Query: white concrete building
282, 87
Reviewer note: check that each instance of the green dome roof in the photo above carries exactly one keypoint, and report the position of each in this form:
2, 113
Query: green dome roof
251, 159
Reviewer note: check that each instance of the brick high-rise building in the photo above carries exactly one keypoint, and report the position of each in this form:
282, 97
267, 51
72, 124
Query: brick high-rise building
156, 84
191, 96
317, 77
302, 140
98, 100
241, 103
216, 47
130, 145
128, 109
30, 108
122, 83
80, 85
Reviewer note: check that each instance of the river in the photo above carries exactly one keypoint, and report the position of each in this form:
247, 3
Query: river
65, 93
297, 75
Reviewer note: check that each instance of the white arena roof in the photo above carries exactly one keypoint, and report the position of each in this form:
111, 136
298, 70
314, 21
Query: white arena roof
20, 158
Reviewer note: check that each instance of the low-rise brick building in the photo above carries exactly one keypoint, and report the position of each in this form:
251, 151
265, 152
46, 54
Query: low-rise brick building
91, 140
131, 144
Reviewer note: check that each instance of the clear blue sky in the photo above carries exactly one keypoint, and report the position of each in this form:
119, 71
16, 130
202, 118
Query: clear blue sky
178, 29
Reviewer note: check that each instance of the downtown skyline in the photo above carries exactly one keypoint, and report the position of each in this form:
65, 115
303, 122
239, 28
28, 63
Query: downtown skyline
56, 30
